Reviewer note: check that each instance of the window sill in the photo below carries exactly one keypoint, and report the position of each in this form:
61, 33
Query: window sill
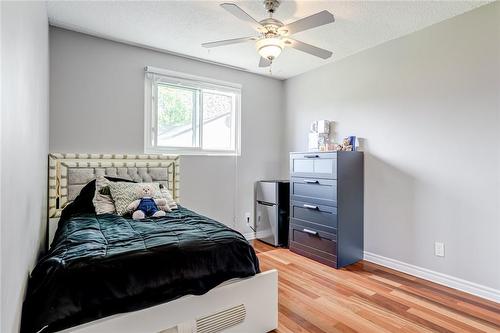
188, 152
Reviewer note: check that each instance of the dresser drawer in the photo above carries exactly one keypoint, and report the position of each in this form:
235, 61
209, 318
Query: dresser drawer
314, 226
317, 245
316, 190
319, 214
319, 165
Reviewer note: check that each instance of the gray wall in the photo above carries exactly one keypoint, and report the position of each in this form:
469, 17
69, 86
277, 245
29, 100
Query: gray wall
97, 105
428, 105
24, 148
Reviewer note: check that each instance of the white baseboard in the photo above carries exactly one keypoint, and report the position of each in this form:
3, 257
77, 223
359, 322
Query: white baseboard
249, 235
440, 278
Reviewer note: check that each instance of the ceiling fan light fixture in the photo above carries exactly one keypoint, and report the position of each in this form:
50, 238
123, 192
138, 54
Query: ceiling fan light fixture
270, 48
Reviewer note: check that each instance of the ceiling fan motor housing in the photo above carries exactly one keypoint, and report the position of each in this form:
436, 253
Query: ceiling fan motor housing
271, 26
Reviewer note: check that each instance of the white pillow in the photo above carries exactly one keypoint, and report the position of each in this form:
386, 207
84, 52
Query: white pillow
103, 203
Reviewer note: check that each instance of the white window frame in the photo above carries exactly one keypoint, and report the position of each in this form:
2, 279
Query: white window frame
153, 77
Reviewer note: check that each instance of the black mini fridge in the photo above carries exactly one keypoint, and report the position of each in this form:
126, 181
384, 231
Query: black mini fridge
272, 207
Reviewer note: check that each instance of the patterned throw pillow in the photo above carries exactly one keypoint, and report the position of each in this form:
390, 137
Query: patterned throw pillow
105, 190
102, 201
165, 193
124, 193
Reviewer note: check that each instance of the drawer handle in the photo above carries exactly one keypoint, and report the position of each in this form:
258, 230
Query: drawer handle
310, 206
310, 181
310, 232
311, 156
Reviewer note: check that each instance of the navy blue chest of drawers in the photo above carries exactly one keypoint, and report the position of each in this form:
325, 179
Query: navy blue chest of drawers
326, 206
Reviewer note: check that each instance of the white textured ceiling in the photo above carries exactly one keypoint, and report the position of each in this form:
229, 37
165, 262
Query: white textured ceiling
181, 26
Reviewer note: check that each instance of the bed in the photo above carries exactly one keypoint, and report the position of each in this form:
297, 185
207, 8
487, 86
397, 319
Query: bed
106, 273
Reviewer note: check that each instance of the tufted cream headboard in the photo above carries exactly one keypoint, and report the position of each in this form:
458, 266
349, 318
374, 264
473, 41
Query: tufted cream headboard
68, 173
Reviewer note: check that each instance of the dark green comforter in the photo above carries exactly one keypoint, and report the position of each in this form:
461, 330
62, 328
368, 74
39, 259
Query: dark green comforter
101, 265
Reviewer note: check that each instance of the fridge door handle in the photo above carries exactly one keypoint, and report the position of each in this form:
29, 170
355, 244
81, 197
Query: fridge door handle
265, 203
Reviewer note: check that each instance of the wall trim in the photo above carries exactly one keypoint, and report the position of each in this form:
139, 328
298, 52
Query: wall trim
249, 235
437, 277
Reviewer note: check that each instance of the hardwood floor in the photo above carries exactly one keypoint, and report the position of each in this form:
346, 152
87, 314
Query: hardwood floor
369, 298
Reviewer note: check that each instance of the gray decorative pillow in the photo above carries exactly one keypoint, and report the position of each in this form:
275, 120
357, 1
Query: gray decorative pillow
124, 193
103, 203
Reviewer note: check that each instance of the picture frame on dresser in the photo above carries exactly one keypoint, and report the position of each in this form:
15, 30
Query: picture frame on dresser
326, 206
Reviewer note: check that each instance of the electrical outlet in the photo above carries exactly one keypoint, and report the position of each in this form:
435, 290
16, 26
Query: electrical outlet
247, 217
439, 249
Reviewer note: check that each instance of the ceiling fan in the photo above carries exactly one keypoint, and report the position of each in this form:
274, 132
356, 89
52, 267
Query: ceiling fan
274, 35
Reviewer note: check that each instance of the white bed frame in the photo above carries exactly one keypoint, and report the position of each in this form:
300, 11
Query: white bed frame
248, 305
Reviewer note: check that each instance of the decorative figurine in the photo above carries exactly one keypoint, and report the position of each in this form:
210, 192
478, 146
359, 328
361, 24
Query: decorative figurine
347, 144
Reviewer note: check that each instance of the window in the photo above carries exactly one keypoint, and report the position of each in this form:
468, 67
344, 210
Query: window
185, 114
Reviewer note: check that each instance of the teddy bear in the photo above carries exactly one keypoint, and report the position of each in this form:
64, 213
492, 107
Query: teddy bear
146, 205
346, 145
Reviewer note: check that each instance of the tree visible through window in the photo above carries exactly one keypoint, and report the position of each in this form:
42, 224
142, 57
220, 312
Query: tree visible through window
176, 108
196, 119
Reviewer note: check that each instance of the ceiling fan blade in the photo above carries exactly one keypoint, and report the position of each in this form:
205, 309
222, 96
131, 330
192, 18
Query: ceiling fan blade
308, 48
228, 42
242, 15
264, 62
308, 22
